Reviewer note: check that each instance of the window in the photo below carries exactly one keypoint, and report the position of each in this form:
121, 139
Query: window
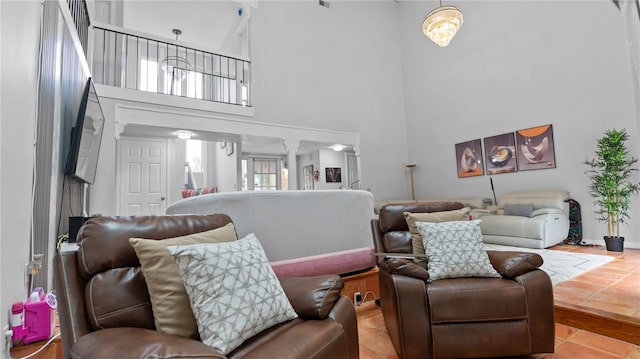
265, 174
148, 76
194, 155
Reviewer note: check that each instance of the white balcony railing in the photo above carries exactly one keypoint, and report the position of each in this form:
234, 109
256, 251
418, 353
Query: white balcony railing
125, 59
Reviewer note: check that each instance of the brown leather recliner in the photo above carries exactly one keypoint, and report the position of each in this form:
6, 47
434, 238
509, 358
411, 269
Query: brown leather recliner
460, 317
326, 326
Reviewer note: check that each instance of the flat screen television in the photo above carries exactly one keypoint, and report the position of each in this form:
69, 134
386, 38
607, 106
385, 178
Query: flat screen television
86, 137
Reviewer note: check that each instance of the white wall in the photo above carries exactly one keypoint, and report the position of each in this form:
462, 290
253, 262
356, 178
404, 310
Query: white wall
176, 155
516, 65
338, 68
18, 68
208, 23
103, 191
225, 176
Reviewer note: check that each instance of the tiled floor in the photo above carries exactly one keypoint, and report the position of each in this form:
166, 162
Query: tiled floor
612, 287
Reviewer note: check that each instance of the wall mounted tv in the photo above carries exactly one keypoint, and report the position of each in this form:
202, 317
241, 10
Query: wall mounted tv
86, 137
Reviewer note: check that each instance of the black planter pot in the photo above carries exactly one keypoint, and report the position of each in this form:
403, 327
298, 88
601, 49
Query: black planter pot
614, 244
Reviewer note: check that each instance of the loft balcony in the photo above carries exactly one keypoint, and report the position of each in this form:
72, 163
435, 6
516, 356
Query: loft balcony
127, 59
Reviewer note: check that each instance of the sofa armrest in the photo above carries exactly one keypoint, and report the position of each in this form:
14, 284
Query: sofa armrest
127, 342
344, 313
539, 291
544, 211
406, 267
513, 264
70, 287
312, 297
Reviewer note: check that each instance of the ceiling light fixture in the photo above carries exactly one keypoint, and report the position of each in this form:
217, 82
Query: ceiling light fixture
184, 135
442, 24
337, 147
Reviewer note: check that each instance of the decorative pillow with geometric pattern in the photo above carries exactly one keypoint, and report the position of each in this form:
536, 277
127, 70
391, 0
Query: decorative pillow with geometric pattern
431, 217
169, 299
233, 291
455, 249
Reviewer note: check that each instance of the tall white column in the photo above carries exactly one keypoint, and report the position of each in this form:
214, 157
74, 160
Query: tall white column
291, 146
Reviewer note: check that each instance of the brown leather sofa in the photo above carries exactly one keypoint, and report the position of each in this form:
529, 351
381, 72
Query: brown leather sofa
460, 317
326, 326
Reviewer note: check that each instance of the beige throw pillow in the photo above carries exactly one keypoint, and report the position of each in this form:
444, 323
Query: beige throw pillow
433, 217
171, 308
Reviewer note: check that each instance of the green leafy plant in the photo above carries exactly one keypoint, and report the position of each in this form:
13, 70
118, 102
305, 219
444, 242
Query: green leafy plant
610, 180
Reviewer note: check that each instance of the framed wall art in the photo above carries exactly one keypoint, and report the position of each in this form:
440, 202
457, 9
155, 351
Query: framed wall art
535, 148
333, 174
469, 158
500, 152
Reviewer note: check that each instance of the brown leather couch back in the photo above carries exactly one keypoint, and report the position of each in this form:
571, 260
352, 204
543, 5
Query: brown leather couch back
116, 293
393, 232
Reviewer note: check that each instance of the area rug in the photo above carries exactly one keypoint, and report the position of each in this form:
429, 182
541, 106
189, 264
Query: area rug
560, 265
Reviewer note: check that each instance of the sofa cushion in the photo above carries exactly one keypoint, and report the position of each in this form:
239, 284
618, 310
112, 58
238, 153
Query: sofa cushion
103, 242
128, 342
540, 199
233, 291
131, 307
168, 296
513, 226
455, 249
483, 299
297, 339
518, 209
433, 217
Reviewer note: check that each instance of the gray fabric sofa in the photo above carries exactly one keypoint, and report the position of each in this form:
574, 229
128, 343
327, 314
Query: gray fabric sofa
303, 233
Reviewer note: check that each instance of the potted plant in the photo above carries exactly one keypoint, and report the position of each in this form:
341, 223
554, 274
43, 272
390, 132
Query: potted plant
611, 185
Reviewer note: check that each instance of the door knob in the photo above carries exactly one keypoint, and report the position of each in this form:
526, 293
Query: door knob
162, 198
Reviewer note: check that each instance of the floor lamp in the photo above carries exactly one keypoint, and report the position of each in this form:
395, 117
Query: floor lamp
413, 193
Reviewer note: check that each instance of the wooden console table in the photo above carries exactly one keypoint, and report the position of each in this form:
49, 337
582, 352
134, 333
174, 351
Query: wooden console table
365, 282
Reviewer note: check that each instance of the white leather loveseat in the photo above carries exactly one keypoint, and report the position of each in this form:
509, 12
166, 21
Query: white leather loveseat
531, 219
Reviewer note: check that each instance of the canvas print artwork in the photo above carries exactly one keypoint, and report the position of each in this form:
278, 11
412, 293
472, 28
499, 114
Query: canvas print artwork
469, 158
333, 174
535, 148
500, 152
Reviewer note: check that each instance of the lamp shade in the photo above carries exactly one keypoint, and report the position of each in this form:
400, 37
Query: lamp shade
442, 24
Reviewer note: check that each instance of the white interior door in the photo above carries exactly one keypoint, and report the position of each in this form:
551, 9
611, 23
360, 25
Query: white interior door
142, 176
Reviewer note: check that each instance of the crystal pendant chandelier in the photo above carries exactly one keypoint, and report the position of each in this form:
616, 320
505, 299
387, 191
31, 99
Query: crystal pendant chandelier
442, 23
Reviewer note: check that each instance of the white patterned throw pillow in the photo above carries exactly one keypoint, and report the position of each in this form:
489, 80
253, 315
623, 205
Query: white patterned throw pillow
455, 249
233, 291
